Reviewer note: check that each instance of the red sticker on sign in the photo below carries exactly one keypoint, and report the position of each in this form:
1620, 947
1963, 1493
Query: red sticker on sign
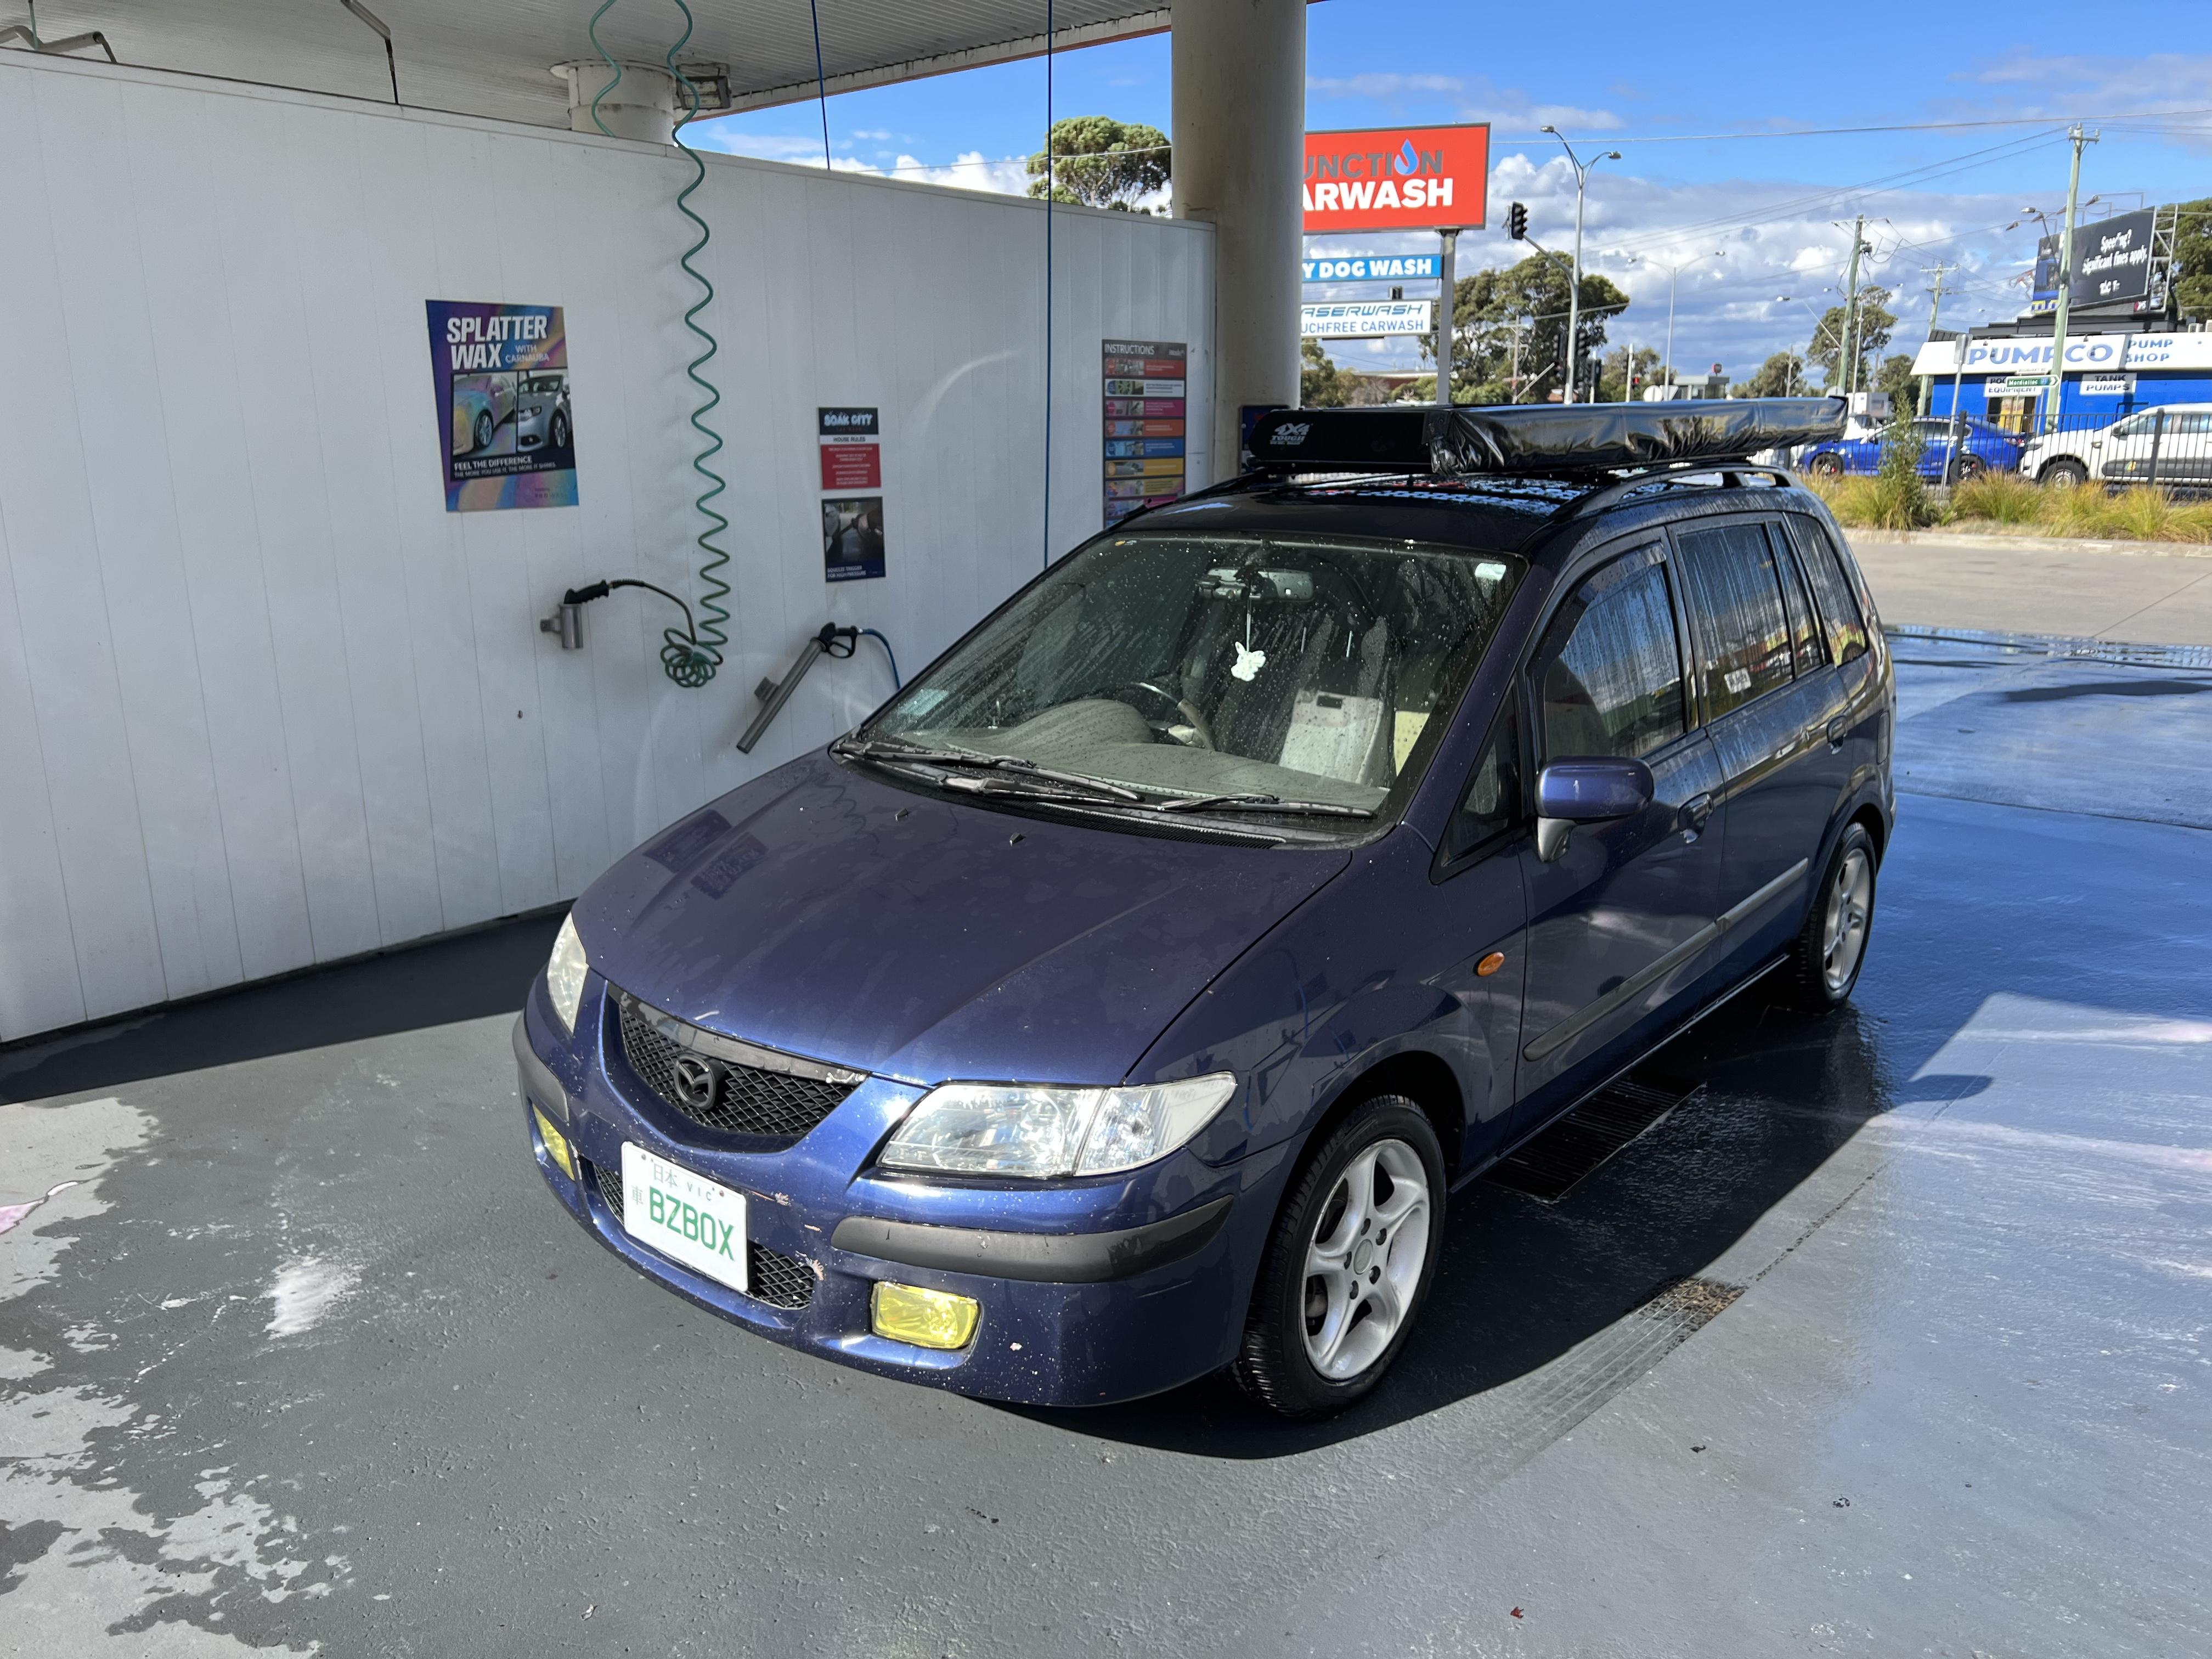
1397, 178
851, 466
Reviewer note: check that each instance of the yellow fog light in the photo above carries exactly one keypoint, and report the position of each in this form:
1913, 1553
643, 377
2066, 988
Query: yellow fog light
928, 1319
557, 1143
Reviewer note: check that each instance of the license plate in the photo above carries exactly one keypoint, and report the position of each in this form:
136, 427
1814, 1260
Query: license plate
685, 1216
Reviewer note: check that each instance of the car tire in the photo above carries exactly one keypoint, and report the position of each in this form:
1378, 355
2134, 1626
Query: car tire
1968, 467
1313, 1337
2063, 474
1825, 466
1823, 963
484, 429
560, 431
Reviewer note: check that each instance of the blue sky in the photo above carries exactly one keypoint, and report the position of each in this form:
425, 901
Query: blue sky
1706, 115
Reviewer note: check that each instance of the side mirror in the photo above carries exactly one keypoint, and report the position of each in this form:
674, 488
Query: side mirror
1573, 792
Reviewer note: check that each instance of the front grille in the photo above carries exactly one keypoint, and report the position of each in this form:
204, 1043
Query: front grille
739, 1098
780, 1280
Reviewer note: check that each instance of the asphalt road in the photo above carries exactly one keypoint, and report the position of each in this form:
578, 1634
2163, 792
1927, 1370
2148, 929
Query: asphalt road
1894, 1342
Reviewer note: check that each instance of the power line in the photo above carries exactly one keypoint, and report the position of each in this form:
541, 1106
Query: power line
1899, 126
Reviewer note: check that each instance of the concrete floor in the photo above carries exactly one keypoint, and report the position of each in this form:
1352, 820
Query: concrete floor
2155, 592
308, 1361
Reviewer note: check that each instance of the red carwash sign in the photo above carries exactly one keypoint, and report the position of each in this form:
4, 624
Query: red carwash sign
1397, 178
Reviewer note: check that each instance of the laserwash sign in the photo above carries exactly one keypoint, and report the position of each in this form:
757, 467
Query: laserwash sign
1397, 178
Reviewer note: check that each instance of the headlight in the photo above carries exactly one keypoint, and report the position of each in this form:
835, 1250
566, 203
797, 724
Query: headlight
564, 975
1038, 1130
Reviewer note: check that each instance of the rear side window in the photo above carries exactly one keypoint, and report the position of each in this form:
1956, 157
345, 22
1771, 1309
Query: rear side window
1839, 606
1736, 596
1805, 641
1610, 676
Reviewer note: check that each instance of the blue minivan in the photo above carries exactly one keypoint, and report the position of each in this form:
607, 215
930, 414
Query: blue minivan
1122, 1001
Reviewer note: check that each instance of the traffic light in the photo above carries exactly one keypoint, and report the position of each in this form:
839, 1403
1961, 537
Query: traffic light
1516, 223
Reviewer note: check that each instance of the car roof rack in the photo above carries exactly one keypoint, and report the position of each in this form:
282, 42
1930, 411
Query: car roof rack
1566, 441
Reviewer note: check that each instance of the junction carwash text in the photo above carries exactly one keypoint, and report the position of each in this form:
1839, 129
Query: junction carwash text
1396, 179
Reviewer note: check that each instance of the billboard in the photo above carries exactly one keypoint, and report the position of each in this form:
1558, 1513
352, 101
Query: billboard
2112, 260
1368, 320
1397, 178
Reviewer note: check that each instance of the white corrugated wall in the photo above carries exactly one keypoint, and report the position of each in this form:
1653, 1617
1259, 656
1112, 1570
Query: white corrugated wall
264, 703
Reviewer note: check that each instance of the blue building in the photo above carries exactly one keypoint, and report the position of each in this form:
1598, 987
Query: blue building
2108, 374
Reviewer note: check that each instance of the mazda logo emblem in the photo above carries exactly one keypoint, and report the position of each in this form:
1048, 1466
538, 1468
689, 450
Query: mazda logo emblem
695, 1082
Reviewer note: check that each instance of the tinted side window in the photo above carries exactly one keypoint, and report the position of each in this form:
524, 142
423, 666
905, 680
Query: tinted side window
1804, 626
1491, 804
1735, 595
1839, 606
1609, 674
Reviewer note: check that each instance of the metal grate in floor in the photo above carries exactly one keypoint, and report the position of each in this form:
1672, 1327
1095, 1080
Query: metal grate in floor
1554, 1163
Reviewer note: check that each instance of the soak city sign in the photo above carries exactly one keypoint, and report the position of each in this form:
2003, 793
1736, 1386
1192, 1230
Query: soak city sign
1397, 178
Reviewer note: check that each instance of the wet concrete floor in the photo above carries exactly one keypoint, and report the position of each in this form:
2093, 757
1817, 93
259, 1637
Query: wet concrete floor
307, 1361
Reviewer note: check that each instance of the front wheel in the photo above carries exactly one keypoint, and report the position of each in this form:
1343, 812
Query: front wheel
2064, 474
484, 429
1354, 1251
1826, 466
1831, 948
560, 431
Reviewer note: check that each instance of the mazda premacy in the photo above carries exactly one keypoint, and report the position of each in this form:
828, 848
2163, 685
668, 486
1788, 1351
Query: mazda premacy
1128, 998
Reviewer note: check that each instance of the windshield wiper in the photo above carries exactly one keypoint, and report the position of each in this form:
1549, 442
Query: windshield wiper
1262, 803
870, 750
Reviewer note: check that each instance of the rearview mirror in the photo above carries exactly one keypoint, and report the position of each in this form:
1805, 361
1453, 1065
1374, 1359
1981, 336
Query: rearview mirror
1593, 790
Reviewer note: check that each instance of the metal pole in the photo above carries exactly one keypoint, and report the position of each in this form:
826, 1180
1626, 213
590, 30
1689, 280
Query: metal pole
1849, 363
1575, 286
2054, 389
1673, 277
1935, 310
1445, 306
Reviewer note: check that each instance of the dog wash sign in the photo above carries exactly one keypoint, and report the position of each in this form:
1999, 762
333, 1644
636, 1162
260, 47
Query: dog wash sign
505, 427
1397, 178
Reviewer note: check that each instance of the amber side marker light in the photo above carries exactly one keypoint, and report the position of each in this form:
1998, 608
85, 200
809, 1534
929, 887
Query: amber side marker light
1490, 964
557, 1143
928, 1319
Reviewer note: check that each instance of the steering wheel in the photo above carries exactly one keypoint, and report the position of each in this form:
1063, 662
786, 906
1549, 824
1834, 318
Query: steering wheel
1201, 734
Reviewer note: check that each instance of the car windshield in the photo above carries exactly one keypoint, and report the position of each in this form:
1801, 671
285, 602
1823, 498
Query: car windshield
543, 383
1272, 669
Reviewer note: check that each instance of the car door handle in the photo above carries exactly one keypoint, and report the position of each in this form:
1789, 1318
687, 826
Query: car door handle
1696, 812
1837, 728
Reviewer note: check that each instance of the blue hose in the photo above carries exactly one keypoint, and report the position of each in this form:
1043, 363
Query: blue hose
896, 685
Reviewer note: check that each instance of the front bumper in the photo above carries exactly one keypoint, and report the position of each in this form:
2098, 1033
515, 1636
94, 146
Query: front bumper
1090, 1293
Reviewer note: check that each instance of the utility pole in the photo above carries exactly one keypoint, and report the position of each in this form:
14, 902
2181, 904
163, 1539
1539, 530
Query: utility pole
1445, 306
1935, 310
2054, 390
1851, 310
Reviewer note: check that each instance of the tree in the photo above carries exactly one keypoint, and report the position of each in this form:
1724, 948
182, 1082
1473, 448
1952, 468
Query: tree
2192, 258
1872, 334
1615, 385
1896, 377
1321, 383
1525, 303
1094, 160
1779, 376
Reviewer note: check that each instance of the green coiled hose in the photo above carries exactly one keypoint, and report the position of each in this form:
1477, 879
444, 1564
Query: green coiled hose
689, 655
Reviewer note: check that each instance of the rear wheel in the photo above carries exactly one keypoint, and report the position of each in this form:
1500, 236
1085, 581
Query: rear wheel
1826, 466
1831, 948
484, 429
1354, 1252
2064, 474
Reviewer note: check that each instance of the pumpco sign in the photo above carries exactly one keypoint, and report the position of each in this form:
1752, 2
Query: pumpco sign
1397, 178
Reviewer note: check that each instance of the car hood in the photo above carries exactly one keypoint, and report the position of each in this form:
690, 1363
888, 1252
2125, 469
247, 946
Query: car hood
825, 912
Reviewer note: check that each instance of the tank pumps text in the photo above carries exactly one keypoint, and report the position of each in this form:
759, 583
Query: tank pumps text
484, 342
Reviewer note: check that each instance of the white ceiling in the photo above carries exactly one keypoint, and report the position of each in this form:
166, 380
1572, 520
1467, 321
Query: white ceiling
492, 57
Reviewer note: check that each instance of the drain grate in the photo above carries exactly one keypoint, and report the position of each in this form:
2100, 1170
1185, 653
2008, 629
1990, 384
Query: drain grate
1554, 1163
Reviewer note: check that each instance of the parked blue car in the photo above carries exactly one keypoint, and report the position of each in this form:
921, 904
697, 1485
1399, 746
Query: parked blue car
1978, 447
1125, 1000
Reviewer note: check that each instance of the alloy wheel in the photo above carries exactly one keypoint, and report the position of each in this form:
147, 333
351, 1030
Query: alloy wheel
1364, 1262
1843, 931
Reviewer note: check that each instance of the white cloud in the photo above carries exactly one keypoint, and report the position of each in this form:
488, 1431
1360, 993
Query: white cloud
1008, 175
2091, 83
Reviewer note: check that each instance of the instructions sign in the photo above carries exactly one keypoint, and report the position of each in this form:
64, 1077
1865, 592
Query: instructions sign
1397, 178
504, 425
852, 524
1374, 320
1145, 382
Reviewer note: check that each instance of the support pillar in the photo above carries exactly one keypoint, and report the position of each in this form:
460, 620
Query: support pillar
643, 103
1240, 119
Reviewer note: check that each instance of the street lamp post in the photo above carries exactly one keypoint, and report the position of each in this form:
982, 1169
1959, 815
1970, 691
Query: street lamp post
1583, 171
1813, 344
1674, 275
